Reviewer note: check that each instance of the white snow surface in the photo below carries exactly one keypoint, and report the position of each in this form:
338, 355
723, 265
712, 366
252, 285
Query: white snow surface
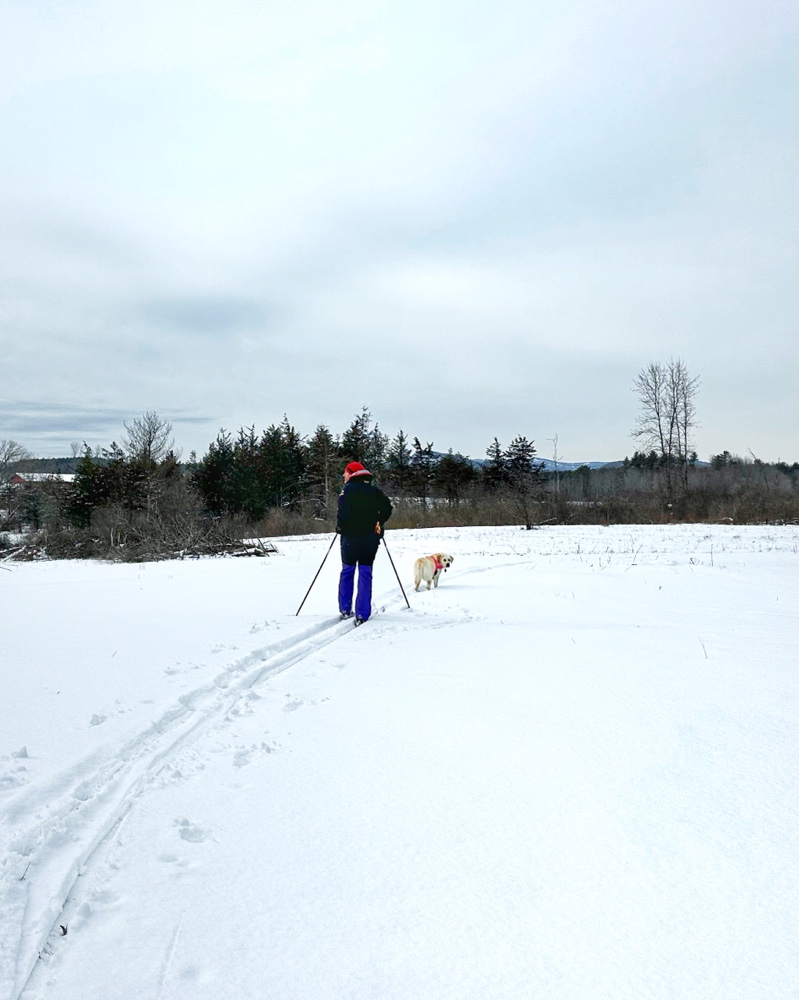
568, 772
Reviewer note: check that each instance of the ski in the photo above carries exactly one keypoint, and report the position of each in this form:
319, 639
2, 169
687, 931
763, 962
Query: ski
360, 621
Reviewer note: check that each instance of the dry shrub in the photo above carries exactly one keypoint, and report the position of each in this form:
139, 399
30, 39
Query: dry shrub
133, 536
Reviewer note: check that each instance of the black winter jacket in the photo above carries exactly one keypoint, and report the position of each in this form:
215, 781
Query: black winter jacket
361, 505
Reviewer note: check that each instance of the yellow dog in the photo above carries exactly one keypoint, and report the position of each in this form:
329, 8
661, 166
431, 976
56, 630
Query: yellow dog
429, 568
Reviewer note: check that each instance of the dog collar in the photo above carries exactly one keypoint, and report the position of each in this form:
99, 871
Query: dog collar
439, 565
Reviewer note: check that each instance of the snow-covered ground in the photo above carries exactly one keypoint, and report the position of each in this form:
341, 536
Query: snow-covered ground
569, 772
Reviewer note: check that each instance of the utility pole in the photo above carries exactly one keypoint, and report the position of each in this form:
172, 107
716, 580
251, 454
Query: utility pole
554, 441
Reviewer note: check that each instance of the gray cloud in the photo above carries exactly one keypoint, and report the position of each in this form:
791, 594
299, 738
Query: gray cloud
246, 216
54, 427
205, 314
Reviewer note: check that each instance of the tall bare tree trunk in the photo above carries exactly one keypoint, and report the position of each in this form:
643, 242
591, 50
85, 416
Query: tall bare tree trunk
666, 395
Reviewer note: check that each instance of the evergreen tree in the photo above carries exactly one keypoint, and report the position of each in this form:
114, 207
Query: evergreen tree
398, 464
423, 466
124, 479
524, 476
642, 460
722, 460
284, 462
520, 462
454, 474
322, 468
494, 472
85, 490
376, 451
213, 477
355, 442
249, 490
119, 482
295, 465
252, 474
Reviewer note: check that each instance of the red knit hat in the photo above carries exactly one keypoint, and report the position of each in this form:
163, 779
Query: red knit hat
356, 469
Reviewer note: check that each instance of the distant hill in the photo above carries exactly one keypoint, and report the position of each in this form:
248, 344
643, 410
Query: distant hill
47, 465
550, 465
67, 465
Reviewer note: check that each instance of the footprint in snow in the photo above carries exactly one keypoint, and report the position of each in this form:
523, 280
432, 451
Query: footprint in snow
292, 704
13, 780
99, 899
97, 720
171, 774
243, 757
190, 831
83, 792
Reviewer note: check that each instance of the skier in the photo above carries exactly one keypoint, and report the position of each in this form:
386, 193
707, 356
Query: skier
363, 509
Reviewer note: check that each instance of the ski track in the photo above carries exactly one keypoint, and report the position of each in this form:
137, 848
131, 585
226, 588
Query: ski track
85, 804
168, 959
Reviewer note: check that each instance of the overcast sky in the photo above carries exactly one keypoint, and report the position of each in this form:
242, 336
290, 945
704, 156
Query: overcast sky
476, 219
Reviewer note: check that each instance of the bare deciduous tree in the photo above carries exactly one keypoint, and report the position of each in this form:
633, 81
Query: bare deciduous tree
668, 414
149, 439
11, 452
683, 390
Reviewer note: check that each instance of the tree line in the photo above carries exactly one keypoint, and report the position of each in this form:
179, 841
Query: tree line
251, 474
137, 499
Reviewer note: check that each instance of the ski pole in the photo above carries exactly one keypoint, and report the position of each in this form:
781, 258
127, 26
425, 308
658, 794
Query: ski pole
395, 572
299, 609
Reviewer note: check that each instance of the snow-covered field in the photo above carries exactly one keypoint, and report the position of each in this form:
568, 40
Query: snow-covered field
569, 772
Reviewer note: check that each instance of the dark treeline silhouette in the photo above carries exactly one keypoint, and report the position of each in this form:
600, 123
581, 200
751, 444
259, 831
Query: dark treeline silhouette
648, 489
137, 500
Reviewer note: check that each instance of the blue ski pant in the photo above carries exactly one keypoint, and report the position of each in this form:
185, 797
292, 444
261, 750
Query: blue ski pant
357, 552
